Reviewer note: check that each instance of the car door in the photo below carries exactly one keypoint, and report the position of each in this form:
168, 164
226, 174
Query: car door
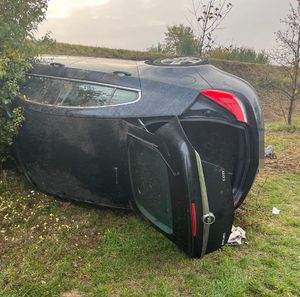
186, 199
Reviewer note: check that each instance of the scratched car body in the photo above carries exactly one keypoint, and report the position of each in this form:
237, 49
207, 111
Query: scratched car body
177, 140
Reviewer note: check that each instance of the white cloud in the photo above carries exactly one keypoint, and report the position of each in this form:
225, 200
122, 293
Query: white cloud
138, 24
64, 8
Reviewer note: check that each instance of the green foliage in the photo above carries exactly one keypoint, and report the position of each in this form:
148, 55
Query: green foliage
241, 54
180, 40
159, 48
154, 52
9, 127
18, 22
282, 126
60, 48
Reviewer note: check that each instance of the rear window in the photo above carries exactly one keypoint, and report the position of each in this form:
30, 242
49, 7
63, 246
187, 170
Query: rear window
72, 93
151, 186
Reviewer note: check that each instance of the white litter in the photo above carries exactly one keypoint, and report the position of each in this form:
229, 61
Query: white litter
237, 236
275, 211
269, 151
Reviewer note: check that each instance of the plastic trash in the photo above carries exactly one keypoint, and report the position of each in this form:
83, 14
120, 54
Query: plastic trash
269, 152
275, 211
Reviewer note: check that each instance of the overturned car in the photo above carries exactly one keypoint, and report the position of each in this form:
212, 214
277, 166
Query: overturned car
177, 140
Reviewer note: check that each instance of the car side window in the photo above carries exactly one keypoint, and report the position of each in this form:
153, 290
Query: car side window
41, 90
72, 93
123, 96
78, 94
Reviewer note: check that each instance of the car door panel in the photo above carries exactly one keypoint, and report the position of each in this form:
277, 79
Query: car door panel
188, 200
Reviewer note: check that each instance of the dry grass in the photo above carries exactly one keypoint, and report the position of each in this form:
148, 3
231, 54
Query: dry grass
287, 153
74, 293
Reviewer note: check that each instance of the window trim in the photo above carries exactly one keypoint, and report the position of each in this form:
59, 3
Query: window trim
116, 87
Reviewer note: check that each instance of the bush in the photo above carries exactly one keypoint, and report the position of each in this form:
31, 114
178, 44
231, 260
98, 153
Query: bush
241, 54
19, 20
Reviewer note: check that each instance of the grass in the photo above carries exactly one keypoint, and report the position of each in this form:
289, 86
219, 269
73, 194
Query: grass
60, 48
50, 247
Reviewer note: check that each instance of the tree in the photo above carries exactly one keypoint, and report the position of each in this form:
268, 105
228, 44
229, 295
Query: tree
207, 16
287, 56
157, 49
19, 20
180, 40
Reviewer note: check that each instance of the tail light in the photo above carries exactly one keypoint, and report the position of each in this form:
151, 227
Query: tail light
194, 220
229, 101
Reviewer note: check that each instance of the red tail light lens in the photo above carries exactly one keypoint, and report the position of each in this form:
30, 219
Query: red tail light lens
228, 101
194, 220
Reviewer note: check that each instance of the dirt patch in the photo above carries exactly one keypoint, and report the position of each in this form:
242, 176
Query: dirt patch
286, 161
74, 293
274, 104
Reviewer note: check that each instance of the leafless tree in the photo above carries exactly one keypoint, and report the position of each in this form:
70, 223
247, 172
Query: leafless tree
207, 16
287, 55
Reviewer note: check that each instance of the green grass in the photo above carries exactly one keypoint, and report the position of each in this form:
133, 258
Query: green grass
60, 48
49, 247
281, 126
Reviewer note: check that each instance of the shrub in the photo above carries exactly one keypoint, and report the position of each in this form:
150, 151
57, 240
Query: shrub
241, 54
19, 20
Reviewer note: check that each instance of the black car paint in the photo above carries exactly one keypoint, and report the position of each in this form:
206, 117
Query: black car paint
170, 140
81, 153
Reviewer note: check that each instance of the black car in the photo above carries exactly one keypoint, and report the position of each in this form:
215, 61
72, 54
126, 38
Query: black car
177, 140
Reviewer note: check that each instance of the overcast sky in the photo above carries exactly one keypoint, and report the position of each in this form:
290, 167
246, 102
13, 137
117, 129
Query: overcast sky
138, 24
